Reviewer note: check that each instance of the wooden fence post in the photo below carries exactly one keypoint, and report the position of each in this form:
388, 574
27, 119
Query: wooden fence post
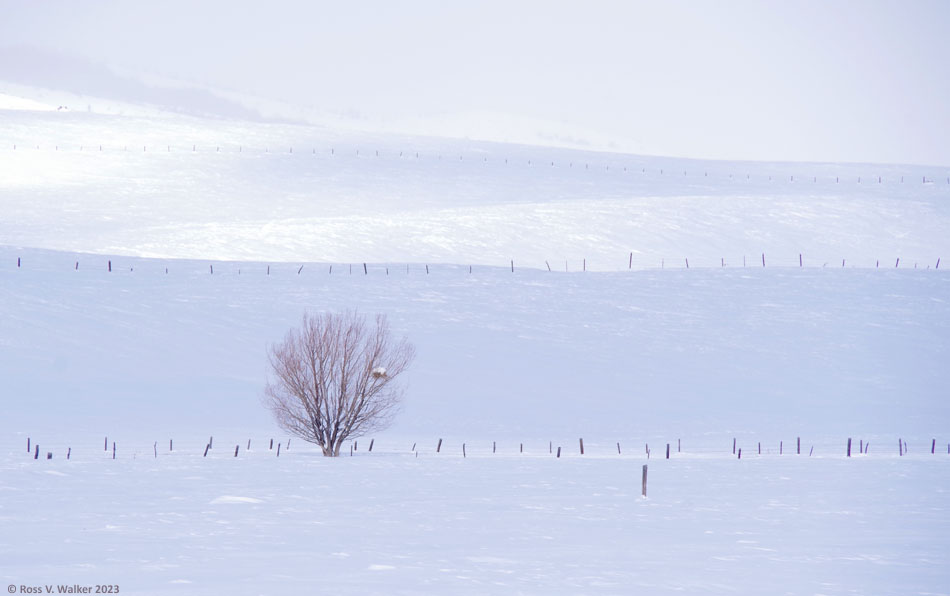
206, 450
644, 489
733, 445
667, 451
438, 447
36, 453
371, 441
582, 446
618, 448
559, 452
278, 449
236, 447
849, 446
463, 451
798, 446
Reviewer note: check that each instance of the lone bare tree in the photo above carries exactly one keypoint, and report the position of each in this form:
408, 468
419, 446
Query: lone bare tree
335, 377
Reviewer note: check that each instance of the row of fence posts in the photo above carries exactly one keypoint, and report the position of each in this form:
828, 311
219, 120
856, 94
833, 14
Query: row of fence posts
863, 448
722, 262
643, 170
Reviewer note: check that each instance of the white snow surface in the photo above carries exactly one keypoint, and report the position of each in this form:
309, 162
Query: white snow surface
215, 252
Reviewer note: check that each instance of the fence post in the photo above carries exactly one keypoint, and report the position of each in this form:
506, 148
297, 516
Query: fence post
849, 446
644, 490
582, 445
438, 447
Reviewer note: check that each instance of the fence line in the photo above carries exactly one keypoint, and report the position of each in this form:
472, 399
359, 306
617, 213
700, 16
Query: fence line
614, 166
366, 268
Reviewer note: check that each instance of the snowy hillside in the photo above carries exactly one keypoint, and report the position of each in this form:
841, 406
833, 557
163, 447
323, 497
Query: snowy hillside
156, 184
147, 260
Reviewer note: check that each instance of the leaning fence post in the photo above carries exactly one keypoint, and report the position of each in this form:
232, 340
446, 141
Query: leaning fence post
644, 491
438, 447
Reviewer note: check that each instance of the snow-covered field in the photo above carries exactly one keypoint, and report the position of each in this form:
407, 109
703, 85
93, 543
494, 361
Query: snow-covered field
389, 523
206, 248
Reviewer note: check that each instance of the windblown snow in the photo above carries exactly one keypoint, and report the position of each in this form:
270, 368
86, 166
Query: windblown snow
147, 260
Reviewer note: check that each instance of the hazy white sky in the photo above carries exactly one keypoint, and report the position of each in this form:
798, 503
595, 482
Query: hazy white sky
805, 80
